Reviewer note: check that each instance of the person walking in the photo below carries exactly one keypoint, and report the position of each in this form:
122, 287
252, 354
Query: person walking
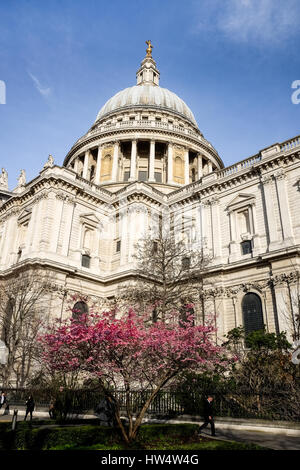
208, 415
52, 408
2, 399
29, 407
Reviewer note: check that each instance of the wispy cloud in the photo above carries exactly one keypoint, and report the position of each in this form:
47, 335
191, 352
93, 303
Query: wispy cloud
42, 90
264, 21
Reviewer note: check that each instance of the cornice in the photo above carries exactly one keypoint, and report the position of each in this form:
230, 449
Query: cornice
220, 182
212, 184
202, 145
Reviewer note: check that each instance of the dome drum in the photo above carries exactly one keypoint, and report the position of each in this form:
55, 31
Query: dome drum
144, 133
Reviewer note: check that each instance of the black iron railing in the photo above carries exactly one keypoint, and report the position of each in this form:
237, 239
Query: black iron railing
273, 406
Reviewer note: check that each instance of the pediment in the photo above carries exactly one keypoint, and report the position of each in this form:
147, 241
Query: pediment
90, 219
241, 200
25, 215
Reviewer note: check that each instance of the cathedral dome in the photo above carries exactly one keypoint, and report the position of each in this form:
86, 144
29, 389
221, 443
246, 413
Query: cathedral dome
144, 133
147, 95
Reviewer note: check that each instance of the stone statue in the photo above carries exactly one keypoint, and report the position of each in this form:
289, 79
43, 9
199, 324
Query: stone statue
149, 48
50, 162
4, 179
22, 179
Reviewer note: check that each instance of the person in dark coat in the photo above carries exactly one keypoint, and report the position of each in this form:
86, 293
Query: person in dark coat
208, 415
52, 408
105, 411
3, 399
29, 407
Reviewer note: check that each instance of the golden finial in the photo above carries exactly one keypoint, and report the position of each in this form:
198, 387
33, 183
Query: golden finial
149, 48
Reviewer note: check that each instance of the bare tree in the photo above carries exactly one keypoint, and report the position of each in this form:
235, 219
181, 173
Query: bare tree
169, 276
23, 305
289, 305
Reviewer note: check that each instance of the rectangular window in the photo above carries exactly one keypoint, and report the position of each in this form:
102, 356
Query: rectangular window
246, 247
154, 247
186, 262
126, 175
143, 175
118, 246
157, 176
85, 261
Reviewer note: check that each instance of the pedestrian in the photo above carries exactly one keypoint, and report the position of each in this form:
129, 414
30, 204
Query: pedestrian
105, 410
51, 408
208, 415
29, 407
3, 399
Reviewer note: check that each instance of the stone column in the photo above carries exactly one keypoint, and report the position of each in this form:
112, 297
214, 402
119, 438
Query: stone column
170, 163
11, 230
86, 164
57, 203
254, 230
186, 167
233, 245
38, 226
200, 166
114, 173
151, 161
283, 306
133, 161
216, 232
98, 165
270, 213
31, 228
76, 165
206, 224
209, 166
67, 217
285, 217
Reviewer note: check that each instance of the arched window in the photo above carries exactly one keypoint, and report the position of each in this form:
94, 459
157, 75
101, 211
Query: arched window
252, 313
106, 168
92, 173
178, 170
79, 309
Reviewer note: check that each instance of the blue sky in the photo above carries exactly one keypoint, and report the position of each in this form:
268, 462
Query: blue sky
232, 61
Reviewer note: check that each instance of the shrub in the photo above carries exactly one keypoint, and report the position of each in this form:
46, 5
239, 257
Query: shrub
28, 437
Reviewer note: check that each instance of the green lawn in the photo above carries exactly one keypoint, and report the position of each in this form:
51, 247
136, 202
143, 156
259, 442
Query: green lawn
83, 436
216, 445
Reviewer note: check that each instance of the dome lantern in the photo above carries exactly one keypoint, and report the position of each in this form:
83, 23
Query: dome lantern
148, 73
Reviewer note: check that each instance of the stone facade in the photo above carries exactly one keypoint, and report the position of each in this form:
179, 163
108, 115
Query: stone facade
144, 157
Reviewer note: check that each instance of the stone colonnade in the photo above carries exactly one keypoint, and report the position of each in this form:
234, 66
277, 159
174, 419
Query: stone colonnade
177, 163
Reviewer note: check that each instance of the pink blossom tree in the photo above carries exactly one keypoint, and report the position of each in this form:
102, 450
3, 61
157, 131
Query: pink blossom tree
130, 354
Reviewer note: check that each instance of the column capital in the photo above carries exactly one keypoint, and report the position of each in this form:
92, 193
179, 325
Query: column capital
266, 179
279, 174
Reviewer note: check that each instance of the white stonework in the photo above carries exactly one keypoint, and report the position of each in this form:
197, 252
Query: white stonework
144, 156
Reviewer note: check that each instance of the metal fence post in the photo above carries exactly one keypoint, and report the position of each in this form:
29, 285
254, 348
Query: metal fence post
14, 420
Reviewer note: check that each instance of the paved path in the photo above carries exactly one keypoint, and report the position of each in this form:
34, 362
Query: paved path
270, 440
263, 438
